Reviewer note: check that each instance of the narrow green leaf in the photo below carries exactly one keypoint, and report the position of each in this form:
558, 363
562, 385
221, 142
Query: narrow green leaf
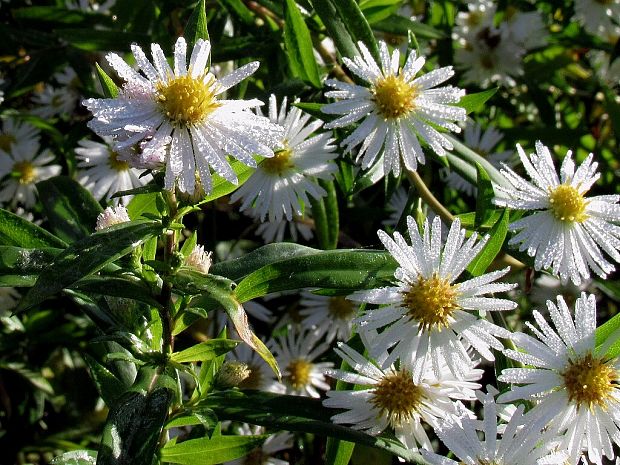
607, 330
109, 386
475, 102
298, 44
110, 90
24, 265
117, 287
205, 351
71, 210
88, 256
222, 187
341, 269
320, 222
210, 451
377, 10
33, 377
18, 231
332, 213
94, 40
496, 240
357, 25
238, 9
484, 199
399, 25
296, 413
196, 27
143, 204
336, 27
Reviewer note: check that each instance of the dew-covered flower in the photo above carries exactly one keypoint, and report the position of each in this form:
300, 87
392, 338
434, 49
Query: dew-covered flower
103, 172
483, 144
565, 231
329, 316
574, 385
521, 443
395, 398
397, 108
264, 455
199, 259
22, 168
428, 315
183, 103
599, 17
111, 216
296, 354
280, 186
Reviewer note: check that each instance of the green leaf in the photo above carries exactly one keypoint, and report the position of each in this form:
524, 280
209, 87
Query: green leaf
484, 199
376, 10
340, 269
196, 27
22, 266
475, 102
238, 9
298, 44
496, 240
110, 90
76, 457
399, 25
332, 213
336, 27
17, 231
88, 256
72, 211
108, 385
118, 287
33, 377
296, 413
607, 330
210, 451
357, 25
222, 187
220, 290
205, 351
320, 222
143, 203
94, 40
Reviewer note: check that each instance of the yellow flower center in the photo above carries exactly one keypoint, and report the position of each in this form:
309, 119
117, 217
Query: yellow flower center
431, 302
589, 381
254, 380
298, 373
567, 204
279, 163
187, 101
398, 397
116, 164
340, 308
474, 18
25, 172
394, 97
6, 140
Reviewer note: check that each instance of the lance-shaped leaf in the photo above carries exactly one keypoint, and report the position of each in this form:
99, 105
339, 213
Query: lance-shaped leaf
110, 90
221, 290
87, 256
496, 240
196, 27
18, 231
474, 102
486, 194
299, 46
21, 267
205, 351
338, 269
210, 451
71, 210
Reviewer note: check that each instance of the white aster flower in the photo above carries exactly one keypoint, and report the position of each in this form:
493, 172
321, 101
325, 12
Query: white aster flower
264, 455
566, 231
183, 104
483, 144
111, 216
22, 168
526, 28
296, 354
395, 399
427, 314
274, 231
103, 172
521, 443
199, 259
261, 375
54, 101
548, 287
574, 386
479, 15
396, 108
18, 132
280, 185
329, 316
599, 17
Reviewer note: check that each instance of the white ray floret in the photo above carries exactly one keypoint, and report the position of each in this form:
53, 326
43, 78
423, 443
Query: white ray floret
566, 232
329, 316
428, 315
396, 108
183, 103
521, 443
574, 385
280, 186
393, 398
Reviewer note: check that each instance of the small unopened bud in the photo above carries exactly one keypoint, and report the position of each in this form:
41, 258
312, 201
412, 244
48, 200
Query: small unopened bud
232, 374
199, 259
111, 216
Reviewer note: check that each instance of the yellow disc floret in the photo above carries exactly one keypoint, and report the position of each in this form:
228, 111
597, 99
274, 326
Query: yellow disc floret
394, 97
25, 172
398, 397
340, 308
279, 163
116, 164
298, 373
431, 301
589, 381
186, 100
567, 204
